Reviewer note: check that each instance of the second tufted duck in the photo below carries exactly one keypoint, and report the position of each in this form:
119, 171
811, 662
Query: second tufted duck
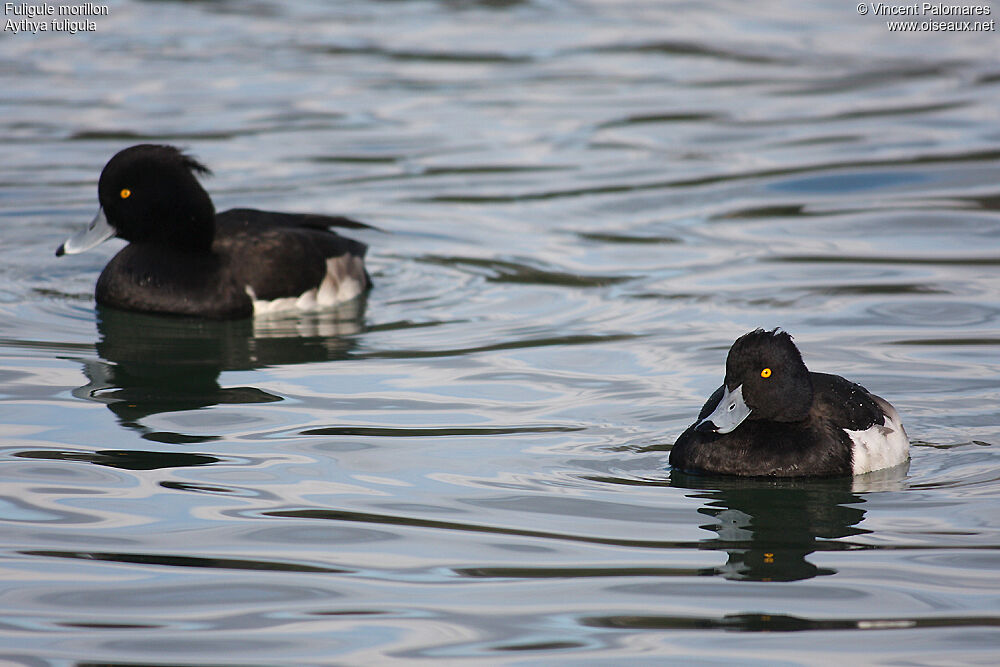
773, 417
183, 258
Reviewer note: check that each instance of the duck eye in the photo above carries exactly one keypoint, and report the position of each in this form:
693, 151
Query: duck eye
125, 193
766, 373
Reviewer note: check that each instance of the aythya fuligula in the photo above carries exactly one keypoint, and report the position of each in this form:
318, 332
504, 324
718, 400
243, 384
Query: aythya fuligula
773, 417
183, 258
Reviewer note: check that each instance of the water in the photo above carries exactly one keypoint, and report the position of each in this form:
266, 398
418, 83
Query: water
580, 205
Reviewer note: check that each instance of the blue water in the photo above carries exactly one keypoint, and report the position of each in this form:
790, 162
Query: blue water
579, 206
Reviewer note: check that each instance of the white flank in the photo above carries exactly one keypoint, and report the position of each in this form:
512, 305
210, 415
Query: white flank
344, 280
879, 447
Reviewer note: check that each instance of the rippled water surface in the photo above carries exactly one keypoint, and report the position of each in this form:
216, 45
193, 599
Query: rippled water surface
579, 205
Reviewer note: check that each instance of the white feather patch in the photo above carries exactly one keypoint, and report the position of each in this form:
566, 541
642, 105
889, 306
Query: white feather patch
344, 280
880, 446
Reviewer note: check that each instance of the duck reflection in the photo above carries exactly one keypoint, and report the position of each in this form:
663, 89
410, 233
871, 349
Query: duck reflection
151, 364
769, 527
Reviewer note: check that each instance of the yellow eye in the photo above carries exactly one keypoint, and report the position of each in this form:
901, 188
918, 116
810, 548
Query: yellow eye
766, 373
125, 193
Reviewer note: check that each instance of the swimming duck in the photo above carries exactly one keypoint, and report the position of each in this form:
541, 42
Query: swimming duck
773, 417
183, 258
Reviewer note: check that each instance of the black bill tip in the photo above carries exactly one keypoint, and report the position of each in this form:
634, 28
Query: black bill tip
706, 426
